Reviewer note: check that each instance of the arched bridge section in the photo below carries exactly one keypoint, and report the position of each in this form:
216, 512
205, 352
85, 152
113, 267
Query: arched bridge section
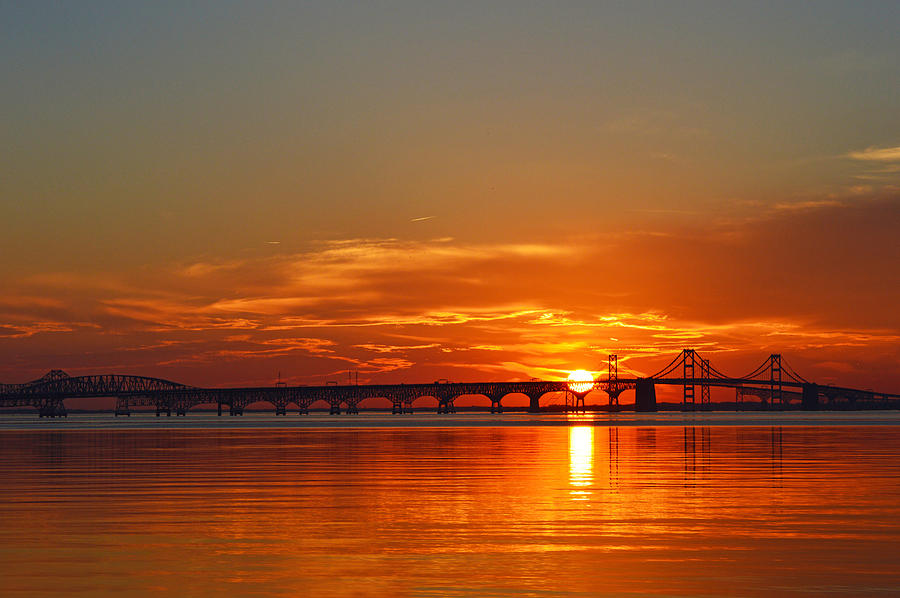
48, 394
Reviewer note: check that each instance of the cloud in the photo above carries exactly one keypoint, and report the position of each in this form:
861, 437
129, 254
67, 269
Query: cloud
19, 331
395, 348
806, 205
875, 154
880, 166
805, 280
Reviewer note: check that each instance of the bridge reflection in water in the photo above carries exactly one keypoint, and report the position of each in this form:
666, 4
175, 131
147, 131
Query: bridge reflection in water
461, 510
590, 445
774, 383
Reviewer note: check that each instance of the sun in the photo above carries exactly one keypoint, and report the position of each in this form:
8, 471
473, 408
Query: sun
580, 381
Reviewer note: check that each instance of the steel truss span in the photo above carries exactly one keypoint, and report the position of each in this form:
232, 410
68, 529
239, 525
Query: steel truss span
774, 383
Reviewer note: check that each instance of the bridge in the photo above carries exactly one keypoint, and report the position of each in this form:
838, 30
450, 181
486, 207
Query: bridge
774, 384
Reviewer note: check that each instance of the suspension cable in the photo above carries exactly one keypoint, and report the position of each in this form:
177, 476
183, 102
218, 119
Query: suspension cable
758, 370
790, 372
669, 368
711, 368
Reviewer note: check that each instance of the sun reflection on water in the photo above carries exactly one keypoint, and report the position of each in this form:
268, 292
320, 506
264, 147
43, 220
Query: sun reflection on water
581, 461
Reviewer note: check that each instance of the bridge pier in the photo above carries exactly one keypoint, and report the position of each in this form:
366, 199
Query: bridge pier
534, 403
352, 409
810, 397
446, 406
496, 407
236, 410
122, 407
645, 395
53, 410
613, 398
280, 410
578, 402
165, 410
335, 409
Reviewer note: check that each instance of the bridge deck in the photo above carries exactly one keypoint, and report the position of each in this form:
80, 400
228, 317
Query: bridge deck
47, 394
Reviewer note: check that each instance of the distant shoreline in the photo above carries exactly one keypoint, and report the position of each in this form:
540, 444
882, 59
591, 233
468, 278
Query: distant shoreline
384, 420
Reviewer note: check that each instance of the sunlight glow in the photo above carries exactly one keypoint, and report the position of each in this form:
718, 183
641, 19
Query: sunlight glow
581, 461
581, 381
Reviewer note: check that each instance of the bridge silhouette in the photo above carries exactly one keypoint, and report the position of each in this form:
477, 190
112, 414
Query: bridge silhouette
774, 384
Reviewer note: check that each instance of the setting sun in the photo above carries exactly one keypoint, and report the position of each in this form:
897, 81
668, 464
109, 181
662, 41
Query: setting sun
580, 381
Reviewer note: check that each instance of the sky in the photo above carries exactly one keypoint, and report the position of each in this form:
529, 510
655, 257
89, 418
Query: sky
219, 192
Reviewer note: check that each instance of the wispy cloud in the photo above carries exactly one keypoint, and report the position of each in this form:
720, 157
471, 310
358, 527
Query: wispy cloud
877, 154
878, 167
19, 331
806, 205
395, 348
401, 310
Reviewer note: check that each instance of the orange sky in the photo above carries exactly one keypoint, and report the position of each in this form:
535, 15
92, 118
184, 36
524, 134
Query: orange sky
214, 196
815, 283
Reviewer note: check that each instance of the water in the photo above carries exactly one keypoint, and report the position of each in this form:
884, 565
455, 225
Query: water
466, 505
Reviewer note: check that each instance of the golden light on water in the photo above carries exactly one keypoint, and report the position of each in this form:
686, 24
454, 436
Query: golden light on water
581, 461
581, 381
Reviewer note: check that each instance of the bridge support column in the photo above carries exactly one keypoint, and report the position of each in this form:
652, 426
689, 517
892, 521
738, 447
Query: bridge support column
280, 410
166, 410
219, 408
53, 410
578, 402
122, 407
180, 412
645, 395
496, 406
400, 404
614, 399
236, 410
810, 398
335, 409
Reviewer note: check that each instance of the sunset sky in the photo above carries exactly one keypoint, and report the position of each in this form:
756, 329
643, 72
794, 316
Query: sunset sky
216, 192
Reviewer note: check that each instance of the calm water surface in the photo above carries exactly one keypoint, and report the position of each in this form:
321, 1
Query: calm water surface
445, 508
